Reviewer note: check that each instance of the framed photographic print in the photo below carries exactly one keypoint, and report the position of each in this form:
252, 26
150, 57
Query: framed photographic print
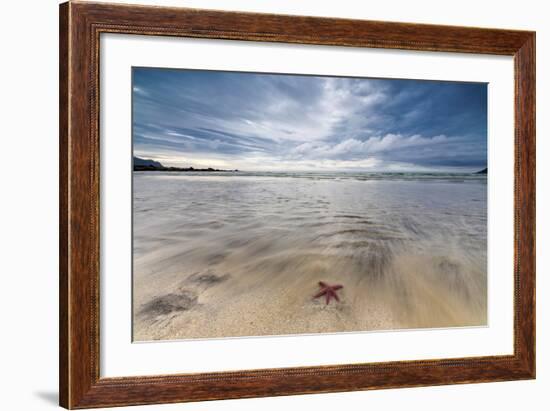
258, 205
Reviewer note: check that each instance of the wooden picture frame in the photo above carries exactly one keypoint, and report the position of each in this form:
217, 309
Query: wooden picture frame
80, 27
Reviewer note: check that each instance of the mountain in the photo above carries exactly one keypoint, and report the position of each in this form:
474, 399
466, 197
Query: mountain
141, 162
484, 171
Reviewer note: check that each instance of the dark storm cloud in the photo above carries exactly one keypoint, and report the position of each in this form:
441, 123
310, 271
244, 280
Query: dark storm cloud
263, 121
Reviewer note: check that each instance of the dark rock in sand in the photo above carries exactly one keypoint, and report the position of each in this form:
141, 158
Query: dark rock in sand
207, 278
169, 303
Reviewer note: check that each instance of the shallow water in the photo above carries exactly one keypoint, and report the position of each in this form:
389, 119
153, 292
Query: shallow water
409, 249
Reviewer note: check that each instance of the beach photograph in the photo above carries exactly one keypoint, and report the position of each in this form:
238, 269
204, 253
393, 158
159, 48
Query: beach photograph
285, 204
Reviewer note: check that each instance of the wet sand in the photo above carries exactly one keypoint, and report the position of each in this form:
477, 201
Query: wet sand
238, 255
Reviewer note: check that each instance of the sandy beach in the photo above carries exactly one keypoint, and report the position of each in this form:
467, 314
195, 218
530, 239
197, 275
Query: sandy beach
241, 255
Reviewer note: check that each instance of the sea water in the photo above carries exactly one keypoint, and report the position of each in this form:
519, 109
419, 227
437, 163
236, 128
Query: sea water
412, 244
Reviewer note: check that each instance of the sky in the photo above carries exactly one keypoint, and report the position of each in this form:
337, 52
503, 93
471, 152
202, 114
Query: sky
275, 122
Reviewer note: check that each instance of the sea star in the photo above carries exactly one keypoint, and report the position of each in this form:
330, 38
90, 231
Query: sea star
329, 291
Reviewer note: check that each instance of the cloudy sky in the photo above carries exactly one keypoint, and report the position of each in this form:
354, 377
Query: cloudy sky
272, 122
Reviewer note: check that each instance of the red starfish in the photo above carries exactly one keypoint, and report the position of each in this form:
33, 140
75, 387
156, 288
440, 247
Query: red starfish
329, 291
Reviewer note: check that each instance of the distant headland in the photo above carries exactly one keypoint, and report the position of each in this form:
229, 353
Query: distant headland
484, 171
141, 164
